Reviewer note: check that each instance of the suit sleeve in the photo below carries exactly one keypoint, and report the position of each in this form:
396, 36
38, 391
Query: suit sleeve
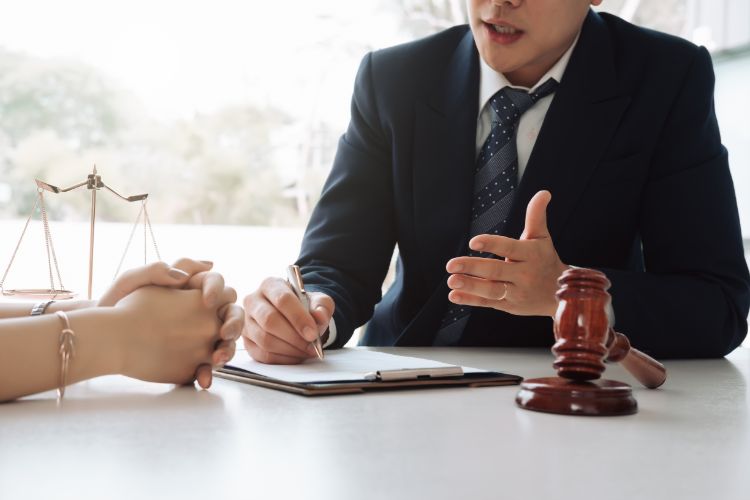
693, 298
351, 235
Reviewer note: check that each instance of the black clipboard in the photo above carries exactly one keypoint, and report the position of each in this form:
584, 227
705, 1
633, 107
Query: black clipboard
376, 383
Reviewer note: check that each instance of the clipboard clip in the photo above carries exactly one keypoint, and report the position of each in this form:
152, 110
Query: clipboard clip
414, 374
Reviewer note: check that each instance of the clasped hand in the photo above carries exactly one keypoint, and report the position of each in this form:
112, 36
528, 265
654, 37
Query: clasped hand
177, 335
523, 281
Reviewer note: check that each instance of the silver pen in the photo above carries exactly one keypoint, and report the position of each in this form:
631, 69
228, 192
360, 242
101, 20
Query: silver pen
294, 278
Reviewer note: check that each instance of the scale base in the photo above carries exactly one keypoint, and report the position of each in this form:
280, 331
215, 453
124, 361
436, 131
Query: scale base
40, 293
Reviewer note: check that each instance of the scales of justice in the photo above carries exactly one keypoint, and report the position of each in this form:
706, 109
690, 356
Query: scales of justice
57, 290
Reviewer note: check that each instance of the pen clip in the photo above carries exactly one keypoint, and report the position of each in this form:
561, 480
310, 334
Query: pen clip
294, 277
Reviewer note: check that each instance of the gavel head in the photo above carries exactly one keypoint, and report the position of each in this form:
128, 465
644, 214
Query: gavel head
581, 324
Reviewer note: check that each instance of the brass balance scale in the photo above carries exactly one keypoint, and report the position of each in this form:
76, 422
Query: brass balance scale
57, 290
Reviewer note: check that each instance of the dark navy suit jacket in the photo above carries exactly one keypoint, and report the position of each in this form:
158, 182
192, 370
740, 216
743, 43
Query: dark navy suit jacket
629, 148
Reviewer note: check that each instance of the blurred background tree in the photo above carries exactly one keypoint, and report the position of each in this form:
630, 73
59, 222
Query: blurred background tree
58, 119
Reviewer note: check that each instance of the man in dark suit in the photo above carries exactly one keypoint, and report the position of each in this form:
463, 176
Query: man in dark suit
463, 139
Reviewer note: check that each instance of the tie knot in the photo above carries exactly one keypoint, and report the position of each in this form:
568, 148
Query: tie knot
509, 103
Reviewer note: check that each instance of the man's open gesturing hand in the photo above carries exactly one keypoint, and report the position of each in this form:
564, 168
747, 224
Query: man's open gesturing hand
522, 283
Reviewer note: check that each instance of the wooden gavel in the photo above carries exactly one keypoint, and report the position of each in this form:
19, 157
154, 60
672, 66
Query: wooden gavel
584, 334
584, 339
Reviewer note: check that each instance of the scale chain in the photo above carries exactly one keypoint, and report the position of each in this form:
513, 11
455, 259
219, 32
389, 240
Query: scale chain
147, 220
50, 247
146, 224
15, 251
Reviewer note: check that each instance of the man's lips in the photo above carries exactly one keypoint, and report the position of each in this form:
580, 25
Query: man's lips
502, 32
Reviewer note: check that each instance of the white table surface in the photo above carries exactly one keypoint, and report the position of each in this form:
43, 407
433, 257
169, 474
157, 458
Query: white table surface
119, 438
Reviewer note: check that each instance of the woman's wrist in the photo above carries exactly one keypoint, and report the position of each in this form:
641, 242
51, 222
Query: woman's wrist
68, 305
100, 334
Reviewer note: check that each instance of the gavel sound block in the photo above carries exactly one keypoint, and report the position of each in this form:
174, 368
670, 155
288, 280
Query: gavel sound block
584, 339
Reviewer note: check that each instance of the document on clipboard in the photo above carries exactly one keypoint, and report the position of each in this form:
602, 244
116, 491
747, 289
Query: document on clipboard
350, 370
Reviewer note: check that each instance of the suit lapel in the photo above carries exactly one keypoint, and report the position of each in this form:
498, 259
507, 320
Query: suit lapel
579, 124
445, 136
444, 149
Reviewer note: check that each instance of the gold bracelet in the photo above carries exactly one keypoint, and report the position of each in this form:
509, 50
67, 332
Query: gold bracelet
67, 351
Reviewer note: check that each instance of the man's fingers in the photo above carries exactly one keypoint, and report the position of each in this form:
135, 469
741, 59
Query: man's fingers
481, 267
491, 290
502, 246
276, 345
321, 308
283, 299
268, 328
462, 298
536, 217
262, 356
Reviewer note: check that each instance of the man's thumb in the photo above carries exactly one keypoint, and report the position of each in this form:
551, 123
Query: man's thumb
536, 217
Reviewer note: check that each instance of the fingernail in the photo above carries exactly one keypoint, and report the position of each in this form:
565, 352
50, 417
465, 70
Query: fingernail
454, 267
455, 282
207, 262
308, 333
477, 245
177, 274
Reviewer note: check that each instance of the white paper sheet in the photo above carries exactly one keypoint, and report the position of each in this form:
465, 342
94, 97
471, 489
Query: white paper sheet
338, 365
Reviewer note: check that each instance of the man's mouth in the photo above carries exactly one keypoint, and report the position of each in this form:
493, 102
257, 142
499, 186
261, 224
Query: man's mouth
505, 30
503, 33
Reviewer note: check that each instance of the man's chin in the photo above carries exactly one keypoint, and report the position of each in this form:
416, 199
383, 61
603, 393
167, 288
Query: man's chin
503, 63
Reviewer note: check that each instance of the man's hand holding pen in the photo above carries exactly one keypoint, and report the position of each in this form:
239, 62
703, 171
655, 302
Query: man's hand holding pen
279, 328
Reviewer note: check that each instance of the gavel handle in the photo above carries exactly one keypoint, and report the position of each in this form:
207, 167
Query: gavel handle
643, 367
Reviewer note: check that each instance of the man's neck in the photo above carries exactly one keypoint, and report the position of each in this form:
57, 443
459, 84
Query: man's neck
490, 81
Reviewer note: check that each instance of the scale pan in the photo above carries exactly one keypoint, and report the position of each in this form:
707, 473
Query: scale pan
40, 293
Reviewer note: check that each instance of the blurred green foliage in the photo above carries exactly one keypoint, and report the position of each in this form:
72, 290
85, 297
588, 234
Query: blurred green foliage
58, 119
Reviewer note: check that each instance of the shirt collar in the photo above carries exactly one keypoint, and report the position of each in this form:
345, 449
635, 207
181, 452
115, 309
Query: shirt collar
490, 81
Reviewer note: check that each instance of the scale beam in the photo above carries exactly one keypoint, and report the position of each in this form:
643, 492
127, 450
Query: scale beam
135, 197
54, 189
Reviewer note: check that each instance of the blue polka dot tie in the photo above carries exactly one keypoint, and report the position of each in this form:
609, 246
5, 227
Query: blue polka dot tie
495, 179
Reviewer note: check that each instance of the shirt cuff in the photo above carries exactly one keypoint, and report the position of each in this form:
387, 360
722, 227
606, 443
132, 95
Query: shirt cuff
331, 333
